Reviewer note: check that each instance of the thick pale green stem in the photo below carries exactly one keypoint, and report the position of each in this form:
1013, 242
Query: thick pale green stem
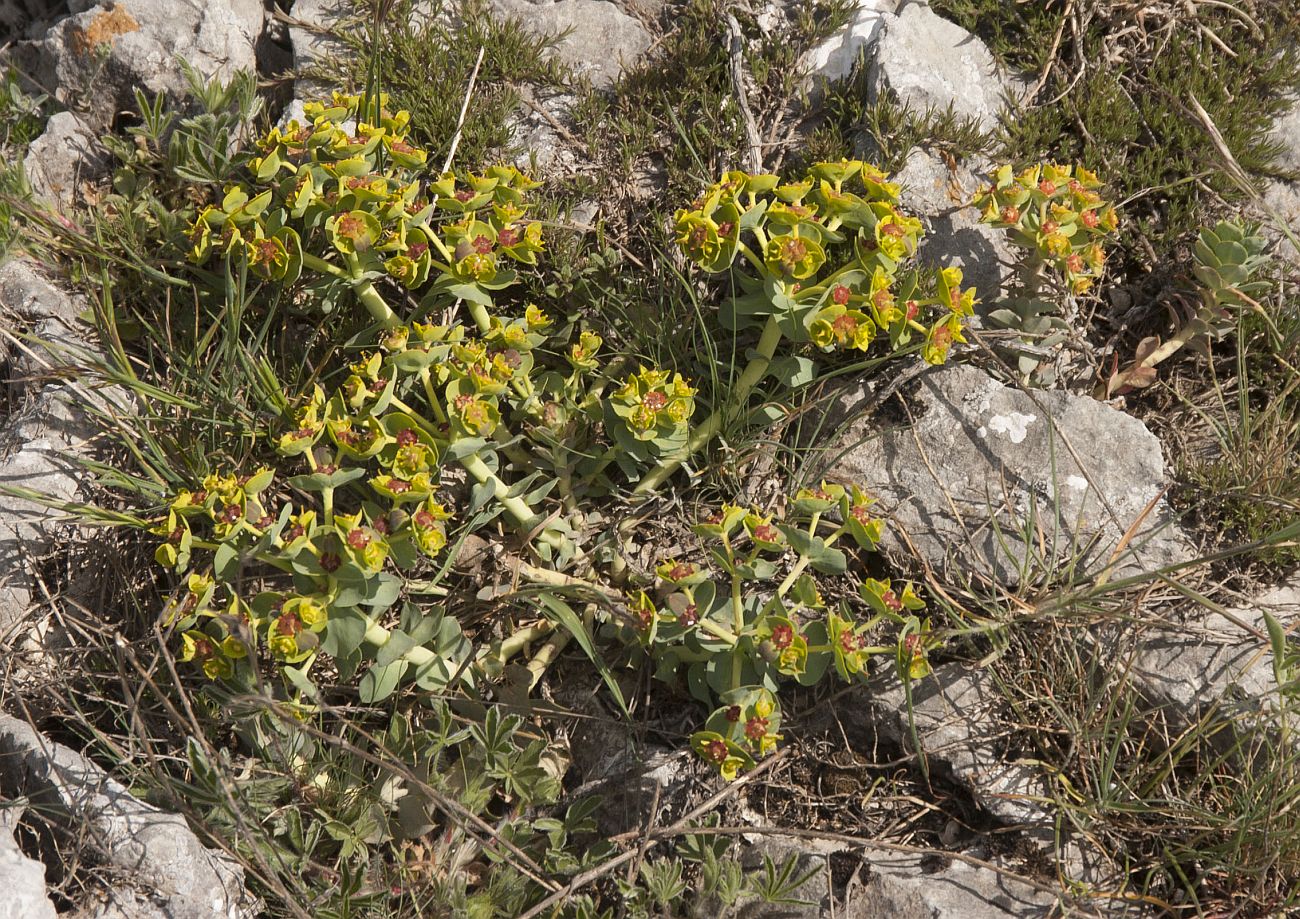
705, 432
515, 506
370, 298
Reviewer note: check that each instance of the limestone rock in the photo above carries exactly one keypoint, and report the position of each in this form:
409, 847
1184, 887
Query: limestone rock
158, 848
953, 711
540, 142
66, 154
98, 56
913, 886
984, 463
21, 878
897, 885
835, 58
601, 39
941, 197
929, 62
1223, 659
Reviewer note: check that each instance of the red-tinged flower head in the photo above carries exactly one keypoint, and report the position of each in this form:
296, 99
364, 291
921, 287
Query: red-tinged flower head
358, 539
1047, 188
782, 636
407, 437
766, 532
681, 570
415, 250
690, 616
654, 401
463, 195
844, 325
288, 624
1089, 219
733, 713
330, 562
840, 294
912, 309
756, 728
1050, 227
1010, 214
508, 236
1075, 263
716, 750
482, 245
891, 600
725, 228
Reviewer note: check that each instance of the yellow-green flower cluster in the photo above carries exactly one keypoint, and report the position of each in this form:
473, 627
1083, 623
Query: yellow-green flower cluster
1055, 211
653, 407
741, 731
828, 250
358, 186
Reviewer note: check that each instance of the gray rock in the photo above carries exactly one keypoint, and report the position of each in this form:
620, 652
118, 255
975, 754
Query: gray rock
984, 464
896, 885
312, 43
1286, 132
929, 62
1282, 202
835, 58
157, 848
21, 878
915, 886
601, 39
954, 235
1223, 659
542, 145
954, 713
40, 443
98, 56
66, 154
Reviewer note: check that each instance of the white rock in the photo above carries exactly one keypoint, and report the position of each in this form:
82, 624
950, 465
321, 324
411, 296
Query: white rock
158, 848
929, 62
964, 500
835, 58
601, 40
98, 56
940, 196
21, 878
66, 154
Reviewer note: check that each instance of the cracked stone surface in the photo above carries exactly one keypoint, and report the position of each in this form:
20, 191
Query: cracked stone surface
983, 460
97, 56
954, 713
602, 39
66, 154
895, 885
941, 196
835, 58
188, 881
21, 878
39, 443
930, 62
1221, 658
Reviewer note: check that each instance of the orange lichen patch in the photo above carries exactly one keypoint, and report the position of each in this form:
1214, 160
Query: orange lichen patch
105, 27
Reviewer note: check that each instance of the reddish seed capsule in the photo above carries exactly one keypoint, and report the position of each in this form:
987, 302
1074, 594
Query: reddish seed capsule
840, 294
733, 713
